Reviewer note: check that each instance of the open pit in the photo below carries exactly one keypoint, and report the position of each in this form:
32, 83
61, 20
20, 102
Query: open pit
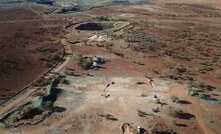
93, 26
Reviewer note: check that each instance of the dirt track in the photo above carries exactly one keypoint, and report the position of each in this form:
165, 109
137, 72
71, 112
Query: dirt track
68, 55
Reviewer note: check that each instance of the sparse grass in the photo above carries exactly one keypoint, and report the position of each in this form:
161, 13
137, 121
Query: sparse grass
198, 84
42, 81
204, 96
218, 63
102, 18
204, 69
175, 98
68, 72
140, 83
45, 49
84, 62
180, 69
48, 105
144, 95
174, 76
219, 89
52, 57
178, 113
175, 112
156, 110
192, 92
65, 81
157, 101
139, 63
108, 116
100, 45
118, 54
142, 113
180, 124
155, 130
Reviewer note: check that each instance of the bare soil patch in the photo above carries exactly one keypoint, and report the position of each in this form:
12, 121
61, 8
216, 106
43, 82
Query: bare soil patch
29, 46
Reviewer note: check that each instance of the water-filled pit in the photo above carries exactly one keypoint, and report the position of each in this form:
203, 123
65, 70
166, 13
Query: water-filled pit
94, 26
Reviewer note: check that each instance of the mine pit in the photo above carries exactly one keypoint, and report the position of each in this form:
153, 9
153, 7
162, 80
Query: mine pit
94, 26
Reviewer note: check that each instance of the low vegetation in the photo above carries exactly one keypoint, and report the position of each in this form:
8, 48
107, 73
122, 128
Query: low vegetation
174, 98
64, 81
69, 72
142, 113
144, 95
118, 54
42, 81
84, 62
180, 124
108, 117
156, 130
87, 63
102, 18
178, 113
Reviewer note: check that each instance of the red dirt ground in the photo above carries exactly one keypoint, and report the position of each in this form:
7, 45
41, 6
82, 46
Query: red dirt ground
162, 22
23, 29
173, 34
